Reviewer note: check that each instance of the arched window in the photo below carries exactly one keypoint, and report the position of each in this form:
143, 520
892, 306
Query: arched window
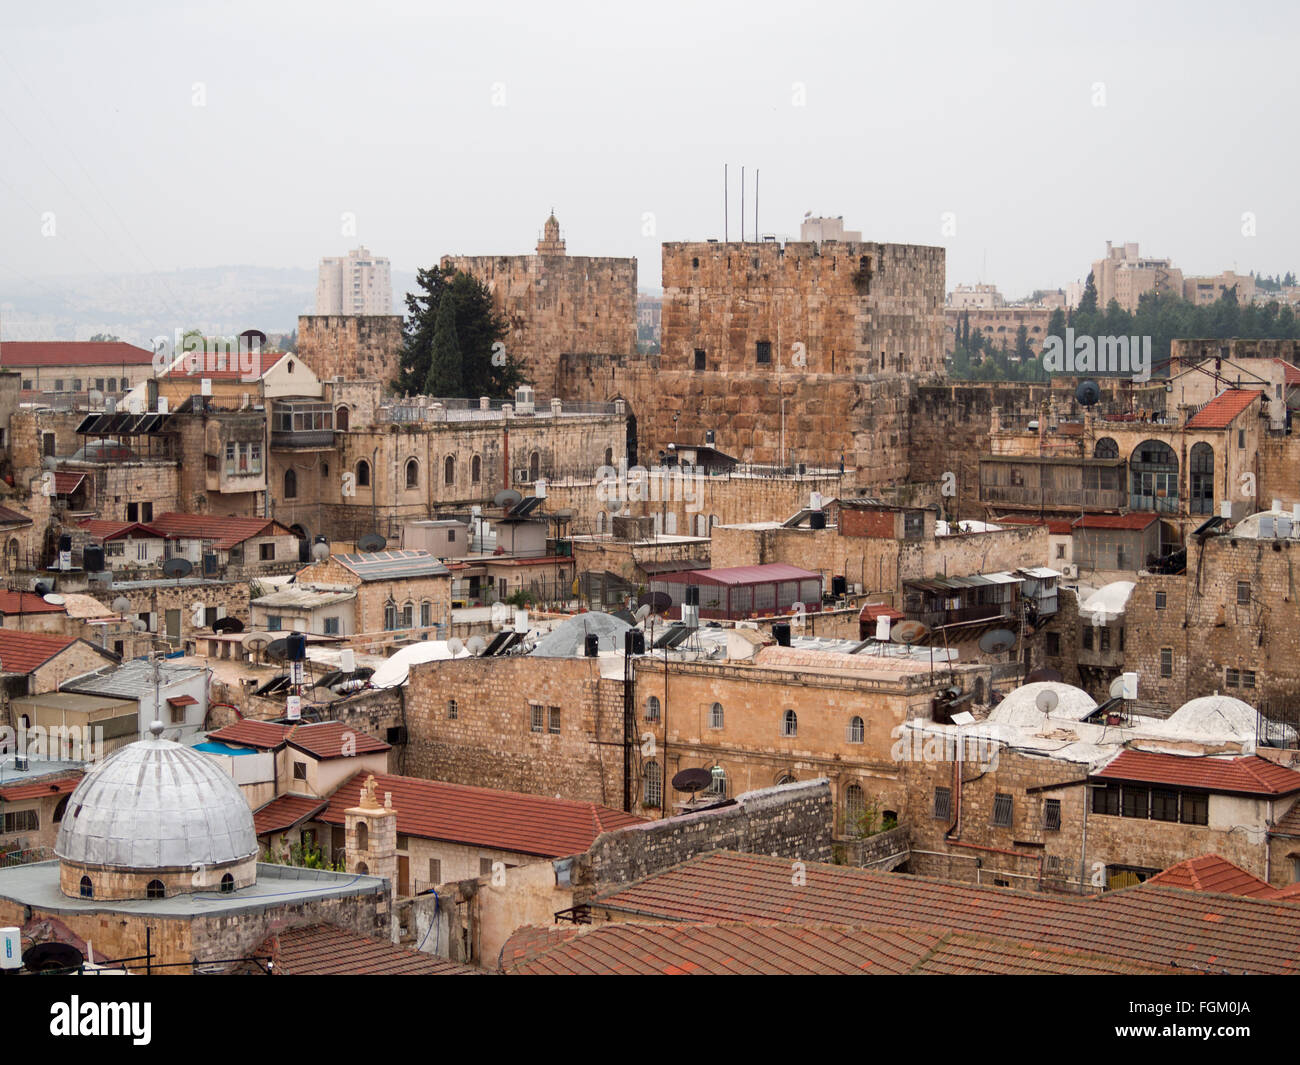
1106, 449
701, 525
11, 553
535, 466
426, 614
789, 723
601, 518
390, 616
785, 778
228, 881
855, 805
652, 708
654, 784
1155, 477
1201, 470
363, 836
408, 615
290, 484
87, 888
715, 716
412, 474
341, 419
155, 890
449, 470
363, 868
363, 474
718, 789
856, 731
476, 469
61, 809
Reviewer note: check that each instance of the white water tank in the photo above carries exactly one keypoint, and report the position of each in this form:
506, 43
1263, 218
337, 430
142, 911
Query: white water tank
11, 948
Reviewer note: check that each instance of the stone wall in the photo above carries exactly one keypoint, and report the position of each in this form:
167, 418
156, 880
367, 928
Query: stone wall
363, 347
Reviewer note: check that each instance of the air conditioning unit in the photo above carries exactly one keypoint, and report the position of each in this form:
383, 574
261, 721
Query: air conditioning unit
1069, 569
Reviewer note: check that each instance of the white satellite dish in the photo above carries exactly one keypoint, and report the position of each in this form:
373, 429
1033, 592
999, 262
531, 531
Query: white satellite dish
477, 645
1046, 700
54, 599
121, 604
643, 612
455, 645
1117, 687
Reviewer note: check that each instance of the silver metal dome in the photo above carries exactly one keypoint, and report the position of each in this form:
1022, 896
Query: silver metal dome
156, 804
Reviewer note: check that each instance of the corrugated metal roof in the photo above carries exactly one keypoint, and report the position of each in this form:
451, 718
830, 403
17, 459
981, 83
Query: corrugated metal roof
766, 574
392, 565
130, 680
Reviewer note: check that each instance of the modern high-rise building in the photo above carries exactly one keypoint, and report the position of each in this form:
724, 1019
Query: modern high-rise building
357, 283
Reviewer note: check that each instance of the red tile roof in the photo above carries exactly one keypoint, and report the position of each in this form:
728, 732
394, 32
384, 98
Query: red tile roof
22, 652
878, 610
225, 532
756, 948
63, 785
1210, 872
483, 817
284, 812
1137, 521
1291, 371
66, 483
1247, 775
1055, 526
323, 739
225, 366
327, 950
114, 530
741, 575
23, 353
26, 603
1158, 926
1223, 409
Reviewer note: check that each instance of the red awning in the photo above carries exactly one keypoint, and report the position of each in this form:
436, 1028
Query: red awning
878, 610
182, 700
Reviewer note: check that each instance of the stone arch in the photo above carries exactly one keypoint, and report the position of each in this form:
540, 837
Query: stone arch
341, 416
1106, 448
1154, 478
363, 836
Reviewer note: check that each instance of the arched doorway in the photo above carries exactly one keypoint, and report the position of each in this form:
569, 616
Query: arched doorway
1155, 477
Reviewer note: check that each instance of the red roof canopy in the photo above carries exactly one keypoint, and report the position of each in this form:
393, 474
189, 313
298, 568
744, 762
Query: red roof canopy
1136, 521
1247, 775
224, 532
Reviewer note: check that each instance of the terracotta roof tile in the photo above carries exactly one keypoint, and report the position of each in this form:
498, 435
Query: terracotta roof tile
35, 789
1248, 775
22, 353
22, 652
1223, 409
26, 603
1290, 370
327, 950
1210, 872
484, 817
224, 532
66, 482
322, 739
224, 366
103, 529
264, 735
1136, 521
284, 812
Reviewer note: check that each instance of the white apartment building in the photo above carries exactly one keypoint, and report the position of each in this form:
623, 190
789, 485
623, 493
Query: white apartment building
357, 283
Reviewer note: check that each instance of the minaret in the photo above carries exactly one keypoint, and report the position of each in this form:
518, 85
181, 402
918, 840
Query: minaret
551, 244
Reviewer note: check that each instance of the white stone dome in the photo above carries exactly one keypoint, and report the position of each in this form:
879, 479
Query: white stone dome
1020, 707
156, 804
1220, 716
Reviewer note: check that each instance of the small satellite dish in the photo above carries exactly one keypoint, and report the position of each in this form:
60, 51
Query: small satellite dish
320, 552
997, 641
692, 780
909, 632
477, 645
642, 612
139, 625
1044, 673
507, 498
256, 641
178, 567
1046, 700
658, 602
1117, 687
54, 599
1088, 394
455, 645
253, 334
371, 542
121, 604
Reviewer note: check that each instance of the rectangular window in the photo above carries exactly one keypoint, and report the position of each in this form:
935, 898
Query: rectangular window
1196, 808
274, 622
1243, 593
1105, 800
435, 870
1247, 678
453, 710
1166, 661
1002, 810
943, 804
1087, 637
1230, 678
1136, 801
142, 551
485, 867
1164, 805
332, 626
700, 360
299, 770
255, 457
1160, 600
1052, 815
1060, 550
553, 720
22, 821
266, 551
1053, 642
763, 351
230, 458
1241, 438
539, 717
1105, 640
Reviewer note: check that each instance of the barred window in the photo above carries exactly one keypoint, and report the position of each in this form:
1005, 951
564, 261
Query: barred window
856, 731
1164, 805
652, 708
452, 710
718, 789
553, 720
942, 804
789, 723
539, 718
715, 716
855, 805
654, 784
1166, 661
1052, 815
1195, 808
1002, 810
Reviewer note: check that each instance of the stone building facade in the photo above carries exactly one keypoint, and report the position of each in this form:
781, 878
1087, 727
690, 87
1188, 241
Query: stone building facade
355, 347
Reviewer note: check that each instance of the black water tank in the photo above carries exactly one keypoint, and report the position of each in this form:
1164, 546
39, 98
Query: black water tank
296, 645
93, 559
692, 595
839, 587
65, 542
817, 519
634, 642
781, 631
592, 645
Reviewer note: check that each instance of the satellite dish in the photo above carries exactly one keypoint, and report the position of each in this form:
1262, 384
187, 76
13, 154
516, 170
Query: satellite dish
227, 625
1088, 394
121, 604
909, 632
1045, 673
507, 498
256, 641
371, 542
1046, 700
139, 625
997, 641
455, 645
320, 552
253, 334
178, 567
477, 645
278, 650
51, 957
642, 612
692, 780
53, 599
658, 602
1117, 687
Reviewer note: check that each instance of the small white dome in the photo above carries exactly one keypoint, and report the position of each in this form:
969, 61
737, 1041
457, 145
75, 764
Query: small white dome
1020, 707
155, 805
1220, 716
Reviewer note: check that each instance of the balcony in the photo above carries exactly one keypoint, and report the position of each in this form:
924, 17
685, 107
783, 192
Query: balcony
302, 426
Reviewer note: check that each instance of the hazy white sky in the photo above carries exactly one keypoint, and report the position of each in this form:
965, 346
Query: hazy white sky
445, 131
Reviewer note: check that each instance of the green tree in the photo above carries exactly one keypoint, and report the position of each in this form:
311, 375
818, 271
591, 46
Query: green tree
1088, 301
105, 337
1024, 353
446, 377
